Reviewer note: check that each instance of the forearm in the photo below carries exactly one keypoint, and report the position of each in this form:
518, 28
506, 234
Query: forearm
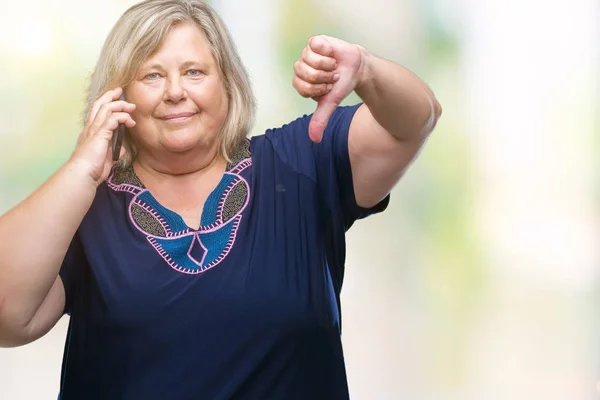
34, 238
399, 101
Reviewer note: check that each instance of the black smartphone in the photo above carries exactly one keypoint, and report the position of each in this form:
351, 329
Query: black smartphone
117, 138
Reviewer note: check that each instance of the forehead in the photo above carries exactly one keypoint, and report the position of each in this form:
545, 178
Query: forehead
184, 42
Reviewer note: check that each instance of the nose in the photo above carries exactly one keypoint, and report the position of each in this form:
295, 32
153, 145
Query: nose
174, 91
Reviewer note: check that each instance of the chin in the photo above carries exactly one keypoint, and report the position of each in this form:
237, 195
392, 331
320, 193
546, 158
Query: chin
184, 143
181, 147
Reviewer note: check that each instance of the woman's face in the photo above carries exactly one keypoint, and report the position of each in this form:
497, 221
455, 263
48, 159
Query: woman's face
181, 102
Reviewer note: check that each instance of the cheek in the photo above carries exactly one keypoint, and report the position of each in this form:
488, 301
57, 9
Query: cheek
212, 96
144, 122
143, 113
223, 104
145, 102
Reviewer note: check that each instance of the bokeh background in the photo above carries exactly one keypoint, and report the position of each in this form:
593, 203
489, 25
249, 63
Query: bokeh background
481, 279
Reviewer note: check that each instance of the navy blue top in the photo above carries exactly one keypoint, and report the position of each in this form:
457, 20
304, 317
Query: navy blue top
245, 307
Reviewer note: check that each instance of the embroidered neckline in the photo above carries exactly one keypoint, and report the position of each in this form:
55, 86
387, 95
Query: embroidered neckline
185, 249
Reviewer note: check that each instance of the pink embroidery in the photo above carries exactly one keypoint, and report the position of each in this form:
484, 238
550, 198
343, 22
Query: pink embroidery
169, 234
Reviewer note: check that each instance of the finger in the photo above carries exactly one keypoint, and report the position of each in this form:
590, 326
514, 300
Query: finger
113, 121
318, 61
321, 45
314, 76
310, 90
114, 106
107, 97
109, 108
320, 119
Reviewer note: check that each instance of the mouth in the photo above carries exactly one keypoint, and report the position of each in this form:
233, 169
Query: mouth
177, 117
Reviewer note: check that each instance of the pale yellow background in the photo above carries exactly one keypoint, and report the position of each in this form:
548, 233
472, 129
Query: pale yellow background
481, 279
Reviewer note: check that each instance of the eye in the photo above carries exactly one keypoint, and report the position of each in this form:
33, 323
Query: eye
152, 76
194, 72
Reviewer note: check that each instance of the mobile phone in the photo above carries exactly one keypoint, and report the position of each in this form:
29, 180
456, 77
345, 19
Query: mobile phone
117, 138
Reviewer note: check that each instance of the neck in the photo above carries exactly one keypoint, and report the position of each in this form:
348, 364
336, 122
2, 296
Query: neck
178, 167
182, 190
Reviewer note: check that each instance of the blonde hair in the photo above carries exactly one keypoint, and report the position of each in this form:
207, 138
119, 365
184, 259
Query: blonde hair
140, 32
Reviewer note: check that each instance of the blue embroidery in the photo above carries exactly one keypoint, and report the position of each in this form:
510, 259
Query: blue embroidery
184, 249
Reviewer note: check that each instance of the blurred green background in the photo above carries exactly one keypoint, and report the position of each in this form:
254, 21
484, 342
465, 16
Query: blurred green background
481, 279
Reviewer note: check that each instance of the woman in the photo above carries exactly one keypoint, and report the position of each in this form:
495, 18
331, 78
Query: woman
205, 265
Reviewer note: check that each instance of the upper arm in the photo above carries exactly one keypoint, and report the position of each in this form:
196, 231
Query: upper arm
51, 310
327, 163
378, 160
47, 315
54, 305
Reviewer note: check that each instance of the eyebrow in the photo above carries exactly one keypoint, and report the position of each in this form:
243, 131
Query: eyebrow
186, 64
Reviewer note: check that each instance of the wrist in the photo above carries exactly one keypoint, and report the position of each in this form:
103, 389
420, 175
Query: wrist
365, 71
82, 172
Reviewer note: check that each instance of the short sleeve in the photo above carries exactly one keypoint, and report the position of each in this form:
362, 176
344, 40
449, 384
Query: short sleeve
327, 162
70, 271
328, 165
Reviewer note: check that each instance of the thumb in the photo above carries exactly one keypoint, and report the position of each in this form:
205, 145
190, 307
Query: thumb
320, 119
321, 45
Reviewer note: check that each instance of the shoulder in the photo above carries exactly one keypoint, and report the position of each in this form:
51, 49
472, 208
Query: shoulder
287, 144
111, 201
